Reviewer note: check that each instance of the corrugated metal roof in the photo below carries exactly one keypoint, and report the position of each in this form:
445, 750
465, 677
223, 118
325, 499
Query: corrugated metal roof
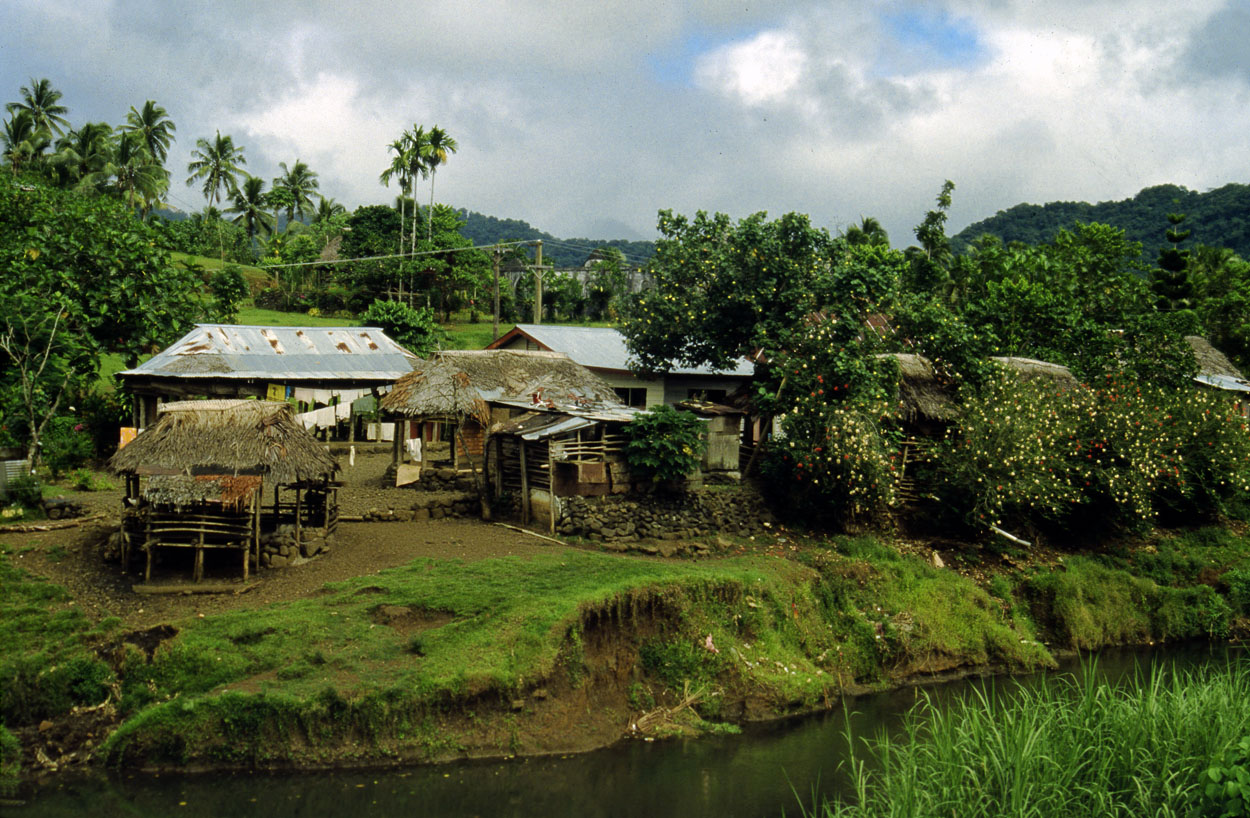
539, 426
280, 353
1224, 382
604, 348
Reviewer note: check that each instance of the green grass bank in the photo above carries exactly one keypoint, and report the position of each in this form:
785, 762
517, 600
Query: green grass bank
572, 649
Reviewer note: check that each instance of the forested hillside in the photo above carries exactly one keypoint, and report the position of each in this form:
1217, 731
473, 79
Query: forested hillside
1219, 218
482, 229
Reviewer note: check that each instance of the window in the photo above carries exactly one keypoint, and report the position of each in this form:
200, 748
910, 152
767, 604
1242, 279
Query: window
709, 395
632, 396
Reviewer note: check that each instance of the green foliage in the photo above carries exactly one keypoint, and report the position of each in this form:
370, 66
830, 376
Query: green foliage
1238, 581
414, 329
664, 444
1070, 747
229, 290
66, 444
10, 756
25, 491
1227, 790
678, 662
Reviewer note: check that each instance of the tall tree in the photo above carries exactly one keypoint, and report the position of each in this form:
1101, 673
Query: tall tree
42, 102
82, 155
398, 170
136, 173
416, 142
217, 165
24, 141
437, 148
327, 209
251, 207
300, 182
155, 128
1170, 279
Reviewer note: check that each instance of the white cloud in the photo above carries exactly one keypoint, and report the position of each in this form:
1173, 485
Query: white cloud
766, 68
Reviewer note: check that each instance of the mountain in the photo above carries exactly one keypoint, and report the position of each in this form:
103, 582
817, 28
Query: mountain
482, 229
1218, 218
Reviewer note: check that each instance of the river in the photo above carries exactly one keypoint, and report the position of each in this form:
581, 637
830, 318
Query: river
763, 772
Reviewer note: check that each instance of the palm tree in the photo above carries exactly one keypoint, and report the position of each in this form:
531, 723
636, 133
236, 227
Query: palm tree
418, 141
23, 140
399, 170
327, 209
299, 182
42, 101
251, 207
438, 146
82, 155
218, 164
136, 172
155, 126
869, 232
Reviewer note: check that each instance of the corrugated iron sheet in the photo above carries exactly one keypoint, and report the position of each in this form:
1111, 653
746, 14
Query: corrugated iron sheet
281, 354
604, 348
1224, 382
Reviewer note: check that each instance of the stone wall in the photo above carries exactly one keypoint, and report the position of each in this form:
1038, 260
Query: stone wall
739, 511
279, 548
428, 505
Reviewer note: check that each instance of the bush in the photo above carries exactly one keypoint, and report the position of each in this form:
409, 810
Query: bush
414, 329
25, 491
229, 290
664, 444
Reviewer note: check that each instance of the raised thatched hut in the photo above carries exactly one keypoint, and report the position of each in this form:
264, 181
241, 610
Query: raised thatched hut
195, 479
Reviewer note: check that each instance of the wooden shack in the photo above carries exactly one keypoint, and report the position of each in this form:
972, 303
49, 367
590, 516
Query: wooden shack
723, 434
198, 477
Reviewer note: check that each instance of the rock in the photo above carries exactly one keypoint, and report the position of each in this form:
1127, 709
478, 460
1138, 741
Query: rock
518, 704
278, 561
540, 693
403, 516
937, 560
723, 543
45, 726
437, 513
420, 515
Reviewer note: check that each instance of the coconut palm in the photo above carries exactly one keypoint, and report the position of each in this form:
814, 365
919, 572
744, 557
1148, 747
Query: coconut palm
251, 207
299, 182
217, 164
42, 101
438, 146
327, 209
136, 172
418, 166
24, 141
155, 127
82, 156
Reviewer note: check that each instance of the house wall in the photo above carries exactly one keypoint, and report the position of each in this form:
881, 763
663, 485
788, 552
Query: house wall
677, 388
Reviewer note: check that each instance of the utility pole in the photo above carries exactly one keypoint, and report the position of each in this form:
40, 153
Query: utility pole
538, 282
496, 331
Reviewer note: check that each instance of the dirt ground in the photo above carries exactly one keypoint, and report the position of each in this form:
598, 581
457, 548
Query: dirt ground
73, 557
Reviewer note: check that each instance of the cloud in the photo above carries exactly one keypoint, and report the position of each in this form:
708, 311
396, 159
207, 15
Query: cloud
575, 117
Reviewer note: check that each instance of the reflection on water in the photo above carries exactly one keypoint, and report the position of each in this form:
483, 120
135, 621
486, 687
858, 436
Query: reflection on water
762, 772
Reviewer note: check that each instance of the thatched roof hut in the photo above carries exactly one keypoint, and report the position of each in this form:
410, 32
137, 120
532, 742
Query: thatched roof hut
1056, 375
1210, 360
435, 390
922, 397
226, 437
509, 373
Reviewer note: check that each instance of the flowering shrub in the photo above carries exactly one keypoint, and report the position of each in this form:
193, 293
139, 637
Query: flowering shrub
664, 444
1026, 454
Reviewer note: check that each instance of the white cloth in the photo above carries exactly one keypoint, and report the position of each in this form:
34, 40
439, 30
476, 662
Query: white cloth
413, 445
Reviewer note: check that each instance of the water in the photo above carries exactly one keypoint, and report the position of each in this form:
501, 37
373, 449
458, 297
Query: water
763, 772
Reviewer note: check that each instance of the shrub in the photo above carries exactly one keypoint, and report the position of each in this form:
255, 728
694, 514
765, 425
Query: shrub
664, 444
65, 444
412, 328
229, 290
25, 491
1227, 790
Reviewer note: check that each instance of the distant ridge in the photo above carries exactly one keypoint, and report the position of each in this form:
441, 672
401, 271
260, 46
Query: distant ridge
1218, 218
482, 229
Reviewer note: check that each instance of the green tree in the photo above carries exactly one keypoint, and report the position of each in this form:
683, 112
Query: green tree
82, 155
43, 103
665, 444
400, 170
435, 150
217, 166
868, 231
1170, 279
299, 182
930, 262
154, 127
412, 328
137, 175
24, 141
250, 207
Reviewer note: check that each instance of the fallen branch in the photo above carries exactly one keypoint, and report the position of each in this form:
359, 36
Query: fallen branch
532, 534
28, 527
200, 588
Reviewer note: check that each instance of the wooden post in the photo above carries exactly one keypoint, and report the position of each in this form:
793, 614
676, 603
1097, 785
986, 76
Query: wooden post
538, 282
498, 466
397, 447
256, 504
198, 574
551, 492
298, 510
525, 485
495, 333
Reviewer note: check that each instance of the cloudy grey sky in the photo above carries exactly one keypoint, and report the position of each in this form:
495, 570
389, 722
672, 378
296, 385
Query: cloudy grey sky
584, 119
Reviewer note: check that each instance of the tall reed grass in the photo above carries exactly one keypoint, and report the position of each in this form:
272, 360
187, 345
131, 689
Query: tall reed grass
1073, 747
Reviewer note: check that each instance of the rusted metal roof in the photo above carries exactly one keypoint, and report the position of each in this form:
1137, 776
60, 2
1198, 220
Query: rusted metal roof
280, 354
601, 348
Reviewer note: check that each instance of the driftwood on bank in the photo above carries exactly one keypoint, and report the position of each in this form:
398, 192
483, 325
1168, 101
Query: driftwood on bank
29, 527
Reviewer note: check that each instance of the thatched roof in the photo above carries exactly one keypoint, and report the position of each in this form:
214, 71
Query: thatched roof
921, 395
509, 373
1031, 369
226, 437
1210, 360
435, 390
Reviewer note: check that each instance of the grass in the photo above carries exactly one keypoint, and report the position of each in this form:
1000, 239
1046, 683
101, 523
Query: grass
255, 277
1073, 748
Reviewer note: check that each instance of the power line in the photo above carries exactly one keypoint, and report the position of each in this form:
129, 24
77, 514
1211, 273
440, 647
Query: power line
394, 255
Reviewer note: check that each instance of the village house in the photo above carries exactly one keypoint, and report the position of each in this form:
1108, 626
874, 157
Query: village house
324, 369
602, 350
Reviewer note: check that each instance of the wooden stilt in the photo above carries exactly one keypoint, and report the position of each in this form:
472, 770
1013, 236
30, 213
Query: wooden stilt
525, 486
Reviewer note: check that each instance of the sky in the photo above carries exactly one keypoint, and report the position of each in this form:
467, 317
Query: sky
586, 119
